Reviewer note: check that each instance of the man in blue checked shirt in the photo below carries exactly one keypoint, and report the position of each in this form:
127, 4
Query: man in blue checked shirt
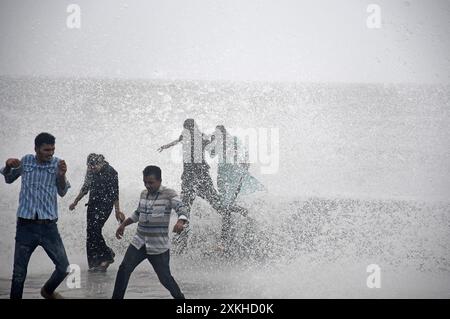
43, 178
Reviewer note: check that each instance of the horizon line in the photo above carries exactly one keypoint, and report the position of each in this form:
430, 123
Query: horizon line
125, 79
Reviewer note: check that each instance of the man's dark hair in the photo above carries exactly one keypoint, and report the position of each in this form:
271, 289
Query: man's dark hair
44, 138
152, 170
189, 124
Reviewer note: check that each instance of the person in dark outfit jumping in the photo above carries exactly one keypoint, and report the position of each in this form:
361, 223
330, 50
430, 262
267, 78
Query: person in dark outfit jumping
196, 180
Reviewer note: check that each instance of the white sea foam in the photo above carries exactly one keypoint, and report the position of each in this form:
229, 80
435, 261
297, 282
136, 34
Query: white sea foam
363, 178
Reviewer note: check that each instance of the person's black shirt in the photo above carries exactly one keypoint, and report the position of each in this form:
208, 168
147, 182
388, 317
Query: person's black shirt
104, 187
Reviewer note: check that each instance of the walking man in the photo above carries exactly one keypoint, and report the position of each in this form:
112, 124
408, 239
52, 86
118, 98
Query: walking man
151, 241
43, 178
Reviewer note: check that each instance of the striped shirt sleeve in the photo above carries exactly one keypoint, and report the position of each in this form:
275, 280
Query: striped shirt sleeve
177, 204
135, 216
63, 192
12, 174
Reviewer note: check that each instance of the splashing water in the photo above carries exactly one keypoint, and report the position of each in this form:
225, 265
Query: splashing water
365, 181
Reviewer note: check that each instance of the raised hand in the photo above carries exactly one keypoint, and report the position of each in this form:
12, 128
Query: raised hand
62, 168
13, 163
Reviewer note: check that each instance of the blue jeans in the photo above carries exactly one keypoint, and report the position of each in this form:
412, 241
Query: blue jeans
133, 257
28, 237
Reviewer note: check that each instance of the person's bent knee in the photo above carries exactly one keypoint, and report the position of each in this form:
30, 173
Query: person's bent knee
63, 268
63, 272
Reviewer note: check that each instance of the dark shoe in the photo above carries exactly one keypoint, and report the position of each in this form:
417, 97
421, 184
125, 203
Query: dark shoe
54, 295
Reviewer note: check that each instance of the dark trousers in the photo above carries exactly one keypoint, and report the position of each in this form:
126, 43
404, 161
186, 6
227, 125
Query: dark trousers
28, 237
133, 257
198, 182
96, 248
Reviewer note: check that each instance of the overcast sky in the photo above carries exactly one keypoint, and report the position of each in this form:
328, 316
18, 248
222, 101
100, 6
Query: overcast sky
282, 40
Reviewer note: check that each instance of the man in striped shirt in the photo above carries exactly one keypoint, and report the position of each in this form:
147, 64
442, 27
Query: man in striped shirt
151, 241
43, 178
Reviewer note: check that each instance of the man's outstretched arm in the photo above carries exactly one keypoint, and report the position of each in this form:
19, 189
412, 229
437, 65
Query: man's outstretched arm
170, 144
121, 229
